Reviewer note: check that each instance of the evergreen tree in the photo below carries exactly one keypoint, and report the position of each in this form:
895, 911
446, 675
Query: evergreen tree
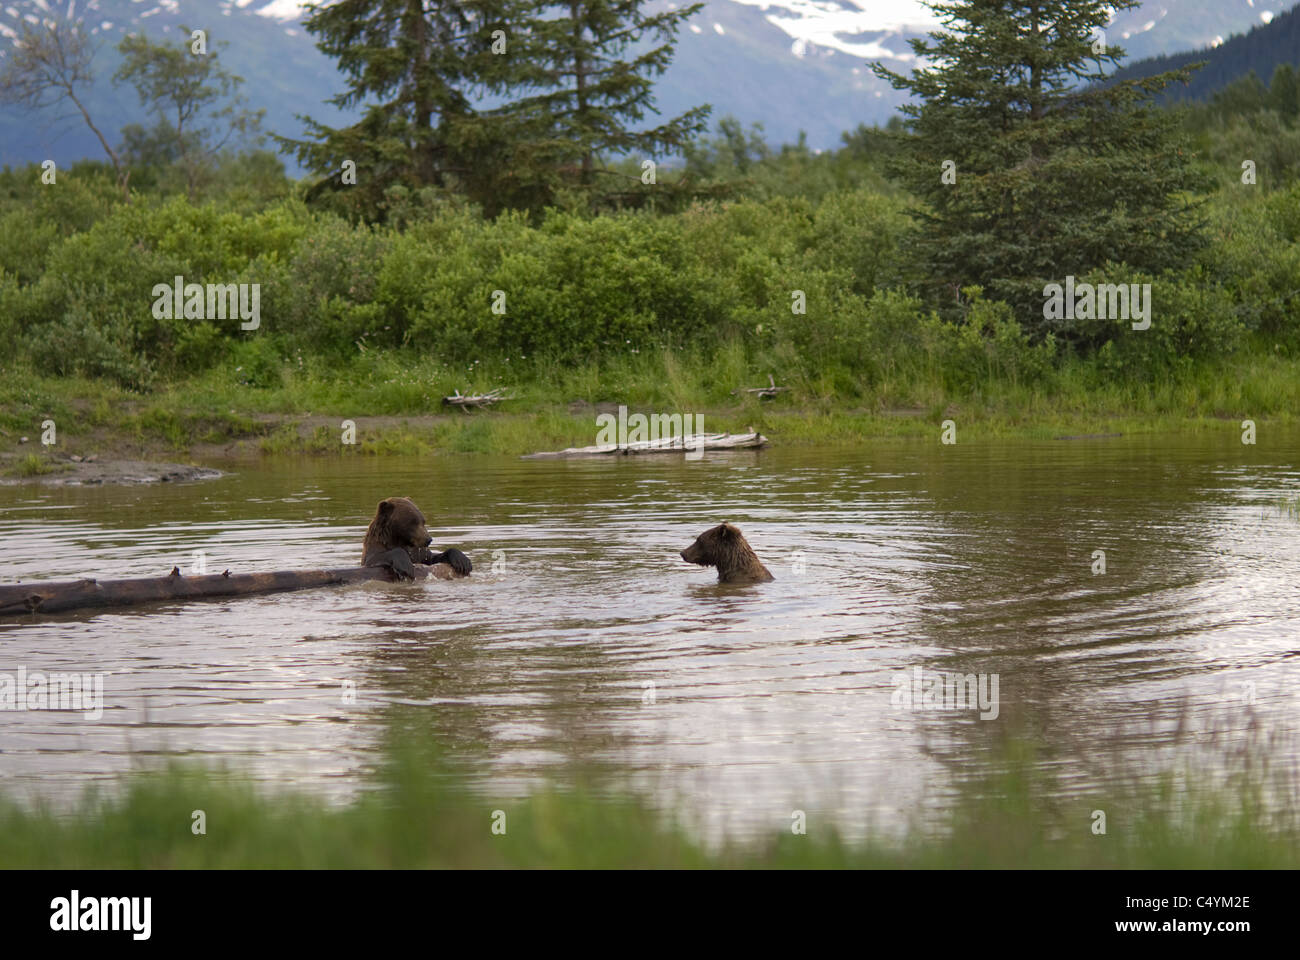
584, 94
566, 101
1242, 97
1284, 92
413, 66
1029, 166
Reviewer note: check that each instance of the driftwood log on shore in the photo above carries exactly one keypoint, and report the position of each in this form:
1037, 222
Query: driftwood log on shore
59, 596
705, 441
763, 393
476, 401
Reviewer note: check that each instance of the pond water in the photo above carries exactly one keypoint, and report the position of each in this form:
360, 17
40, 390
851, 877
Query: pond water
583, 640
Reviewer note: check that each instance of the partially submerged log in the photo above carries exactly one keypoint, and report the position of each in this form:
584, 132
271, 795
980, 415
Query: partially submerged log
705, 441
476, 401
59, 596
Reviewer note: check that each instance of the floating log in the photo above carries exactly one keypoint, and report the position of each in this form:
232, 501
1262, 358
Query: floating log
709, 441
476, 401
57, 597
763, 393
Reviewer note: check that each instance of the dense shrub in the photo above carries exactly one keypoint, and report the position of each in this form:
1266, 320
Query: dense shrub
332, 279
35, 216
76, 289
571, 287
988, 345
860, 232
1255, 257
1191, 318
97, 285
90, 338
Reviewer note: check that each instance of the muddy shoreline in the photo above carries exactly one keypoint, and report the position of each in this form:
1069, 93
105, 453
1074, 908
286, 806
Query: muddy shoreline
73, 471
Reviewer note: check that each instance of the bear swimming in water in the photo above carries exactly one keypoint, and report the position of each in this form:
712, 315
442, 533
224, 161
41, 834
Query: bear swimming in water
397, 538
726, 548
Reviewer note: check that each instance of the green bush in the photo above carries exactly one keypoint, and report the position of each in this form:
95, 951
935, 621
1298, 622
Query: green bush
987, 346
25, 242
90, 339
332, 279
97, 286
859, 231
572, 287
1255, 257
1191, 319
258, 362
78, 269
35, 217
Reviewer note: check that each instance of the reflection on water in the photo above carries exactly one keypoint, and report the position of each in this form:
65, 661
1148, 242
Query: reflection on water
582, 637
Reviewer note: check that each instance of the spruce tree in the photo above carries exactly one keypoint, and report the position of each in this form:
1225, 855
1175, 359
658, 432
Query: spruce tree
413, 67
1029, 165
567, 94
584, 81
1284, 92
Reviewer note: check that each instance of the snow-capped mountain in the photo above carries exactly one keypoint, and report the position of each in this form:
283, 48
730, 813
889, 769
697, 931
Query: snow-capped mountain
793, 65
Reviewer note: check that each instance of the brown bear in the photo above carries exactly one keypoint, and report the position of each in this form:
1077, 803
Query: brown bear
726, 548
398, 539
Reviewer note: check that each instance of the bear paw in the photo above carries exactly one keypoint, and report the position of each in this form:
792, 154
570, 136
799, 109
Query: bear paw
396, 560
455, 559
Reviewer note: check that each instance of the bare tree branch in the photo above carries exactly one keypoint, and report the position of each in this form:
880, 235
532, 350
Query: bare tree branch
46, 66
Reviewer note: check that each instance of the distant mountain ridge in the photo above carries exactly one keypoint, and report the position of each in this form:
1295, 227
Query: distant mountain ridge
792, 65
1262, 50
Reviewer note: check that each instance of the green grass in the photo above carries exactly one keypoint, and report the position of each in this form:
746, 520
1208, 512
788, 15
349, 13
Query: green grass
34, 465
554, 405
424, 816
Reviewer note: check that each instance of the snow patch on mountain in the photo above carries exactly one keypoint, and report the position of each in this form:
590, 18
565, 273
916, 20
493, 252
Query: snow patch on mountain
832, 25
289, 10
849, 17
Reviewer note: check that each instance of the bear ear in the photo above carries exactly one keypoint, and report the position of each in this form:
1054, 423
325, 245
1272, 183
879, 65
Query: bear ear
385, 508
728, 530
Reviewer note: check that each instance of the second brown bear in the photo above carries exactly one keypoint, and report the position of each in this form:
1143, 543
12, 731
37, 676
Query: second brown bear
726, 548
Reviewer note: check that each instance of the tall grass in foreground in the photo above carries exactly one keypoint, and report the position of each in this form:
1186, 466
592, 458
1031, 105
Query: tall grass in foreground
423, 816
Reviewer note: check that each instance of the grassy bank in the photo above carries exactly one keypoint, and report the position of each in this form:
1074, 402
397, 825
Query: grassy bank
396, 404
424, 817
576, 315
